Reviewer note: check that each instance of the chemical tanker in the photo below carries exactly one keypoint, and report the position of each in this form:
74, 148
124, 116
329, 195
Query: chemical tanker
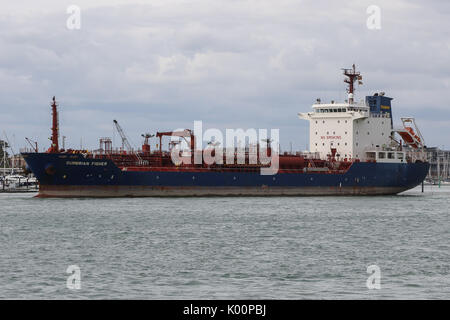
354, 150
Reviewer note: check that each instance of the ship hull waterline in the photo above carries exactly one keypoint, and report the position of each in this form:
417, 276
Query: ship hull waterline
152, 191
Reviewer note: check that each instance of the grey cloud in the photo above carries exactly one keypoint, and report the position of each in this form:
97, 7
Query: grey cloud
230, 63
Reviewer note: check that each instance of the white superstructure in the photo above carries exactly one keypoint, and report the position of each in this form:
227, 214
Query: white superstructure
354, 131
351, 129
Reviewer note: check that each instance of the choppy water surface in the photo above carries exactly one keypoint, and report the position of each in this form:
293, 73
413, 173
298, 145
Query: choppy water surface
227, 248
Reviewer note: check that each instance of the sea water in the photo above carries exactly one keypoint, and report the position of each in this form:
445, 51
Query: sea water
226, 248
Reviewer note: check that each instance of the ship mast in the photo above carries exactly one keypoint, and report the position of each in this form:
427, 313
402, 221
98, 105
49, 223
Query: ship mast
55, 134
352, 75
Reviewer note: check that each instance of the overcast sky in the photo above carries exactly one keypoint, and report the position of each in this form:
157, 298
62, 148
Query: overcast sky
160, 65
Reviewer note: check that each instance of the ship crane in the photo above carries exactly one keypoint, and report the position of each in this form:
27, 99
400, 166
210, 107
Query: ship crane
146, 137
186, 133
125, 141
268, 142
146, 145
33, 144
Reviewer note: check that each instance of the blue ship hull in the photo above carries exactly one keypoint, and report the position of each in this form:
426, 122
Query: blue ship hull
72, 175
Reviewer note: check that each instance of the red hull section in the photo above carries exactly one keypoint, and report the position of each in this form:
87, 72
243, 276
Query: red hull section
158, 191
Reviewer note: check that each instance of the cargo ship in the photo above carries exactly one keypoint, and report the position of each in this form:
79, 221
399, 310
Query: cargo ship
354, 150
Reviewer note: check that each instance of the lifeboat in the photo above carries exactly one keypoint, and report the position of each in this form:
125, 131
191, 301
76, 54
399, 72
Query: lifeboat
410, 137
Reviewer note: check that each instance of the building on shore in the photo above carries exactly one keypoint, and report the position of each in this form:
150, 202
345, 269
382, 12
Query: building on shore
17, 161
14, 163
439, 164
